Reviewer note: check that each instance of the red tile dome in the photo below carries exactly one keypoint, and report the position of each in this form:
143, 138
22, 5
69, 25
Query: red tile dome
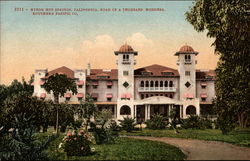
126, 48
186, 49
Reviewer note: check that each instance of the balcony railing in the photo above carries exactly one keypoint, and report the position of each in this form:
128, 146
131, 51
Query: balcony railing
157, 89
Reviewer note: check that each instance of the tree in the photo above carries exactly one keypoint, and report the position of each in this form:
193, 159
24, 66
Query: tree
87, 110
59, 84
228, 22
21, 115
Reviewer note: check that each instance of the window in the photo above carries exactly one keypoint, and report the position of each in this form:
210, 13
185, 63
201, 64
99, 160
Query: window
166, 84
79, 86
125, 57
203, 99
146, 73
95, 86
125, 84
67, 98
161, 83
166, 95
125, 72
146, 95
151, 95
109, 86
187, 59
187, 84
187, 73
170, 95
156, 84
167, 73
142, 84
109, 99
79, 98
151, 83
171, 84
147, 83
95, 98
142, 96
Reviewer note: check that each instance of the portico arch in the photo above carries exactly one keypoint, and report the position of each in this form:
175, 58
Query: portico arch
125, 110
191, 110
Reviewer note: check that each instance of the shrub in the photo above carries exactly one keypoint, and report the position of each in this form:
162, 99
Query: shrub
127, 124
77, 144
196, 122
102, 127
156, 122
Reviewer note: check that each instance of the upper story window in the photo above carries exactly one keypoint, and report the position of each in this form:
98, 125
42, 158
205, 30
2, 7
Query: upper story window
167, 73
171, 84
187, 58
142, 84
187, 73
125, 73
125, 57
95, 84
146, 73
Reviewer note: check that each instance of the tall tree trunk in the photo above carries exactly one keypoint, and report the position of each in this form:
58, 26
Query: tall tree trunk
57, 114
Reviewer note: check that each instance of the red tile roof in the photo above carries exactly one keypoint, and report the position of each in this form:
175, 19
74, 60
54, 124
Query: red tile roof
111, 74
62, 70
205, 74
156, 70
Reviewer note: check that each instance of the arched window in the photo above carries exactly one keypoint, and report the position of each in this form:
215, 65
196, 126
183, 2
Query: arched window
146, 96
151, 83
161, 83
125, 110
142, 84
156, 84
171, 84
170, 95
147, 84
166, 84
191, 110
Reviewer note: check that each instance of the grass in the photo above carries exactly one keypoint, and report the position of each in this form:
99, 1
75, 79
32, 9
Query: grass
122, 149
239, 136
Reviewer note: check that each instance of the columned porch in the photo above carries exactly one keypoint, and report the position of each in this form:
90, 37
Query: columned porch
146, 108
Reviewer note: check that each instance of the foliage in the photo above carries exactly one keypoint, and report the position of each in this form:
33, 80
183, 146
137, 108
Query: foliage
127, 124
22, 114
156, 122
59, 84
123, 149
77, 144
196, 122
101, 128
87, 110
228, 22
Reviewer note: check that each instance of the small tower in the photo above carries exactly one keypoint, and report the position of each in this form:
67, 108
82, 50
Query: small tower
186, 61
126, 62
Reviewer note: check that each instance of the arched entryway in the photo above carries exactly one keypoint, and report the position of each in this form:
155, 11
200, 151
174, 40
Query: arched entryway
191, 110
125, 110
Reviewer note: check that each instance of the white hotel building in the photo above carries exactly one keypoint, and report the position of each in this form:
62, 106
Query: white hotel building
142, 92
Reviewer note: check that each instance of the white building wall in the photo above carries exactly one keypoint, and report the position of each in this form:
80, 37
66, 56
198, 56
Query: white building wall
102, 90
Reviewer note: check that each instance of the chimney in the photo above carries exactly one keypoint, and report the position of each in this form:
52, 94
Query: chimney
88, 69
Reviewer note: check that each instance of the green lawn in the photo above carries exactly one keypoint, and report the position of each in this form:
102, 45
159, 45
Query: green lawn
239, 137
122, 149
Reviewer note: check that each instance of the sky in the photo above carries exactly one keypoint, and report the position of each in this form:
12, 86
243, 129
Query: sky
30, 42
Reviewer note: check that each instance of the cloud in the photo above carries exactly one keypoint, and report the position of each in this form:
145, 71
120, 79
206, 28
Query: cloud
99, 52
140, 42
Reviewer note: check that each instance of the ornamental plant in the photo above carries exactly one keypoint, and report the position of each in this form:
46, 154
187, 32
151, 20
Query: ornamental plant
77, 144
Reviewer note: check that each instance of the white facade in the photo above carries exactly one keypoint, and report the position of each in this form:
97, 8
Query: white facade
139, 93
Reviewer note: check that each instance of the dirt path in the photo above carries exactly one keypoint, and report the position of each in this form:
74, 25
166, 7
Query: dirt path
204, 150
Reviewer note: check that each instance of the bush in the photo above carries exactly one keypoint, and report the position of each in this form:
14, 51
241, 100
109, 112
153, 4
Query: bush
102, 135
127, 124
77, 144
156, 122
196, 122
